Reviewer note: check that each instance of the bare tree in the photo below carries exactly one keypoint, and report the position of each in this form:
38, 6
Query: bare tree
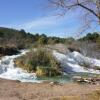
91, 9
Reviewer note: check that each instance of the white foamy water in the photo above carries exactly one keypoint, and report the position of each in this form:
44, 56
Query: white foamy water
73, 61
70, 63
8, 70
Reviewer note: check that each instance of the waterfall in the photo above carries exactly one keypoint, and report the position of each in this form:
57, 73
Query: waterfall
8, 70
72, 62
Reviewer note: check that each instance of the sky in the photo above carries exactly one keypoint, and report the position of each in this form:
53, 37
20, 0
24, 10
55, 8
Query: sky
35, 16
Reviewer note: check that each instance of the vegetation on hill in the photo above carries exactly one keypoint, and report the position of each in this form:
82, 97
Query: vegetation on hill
22, 39
19, 39
14, 38
91, 37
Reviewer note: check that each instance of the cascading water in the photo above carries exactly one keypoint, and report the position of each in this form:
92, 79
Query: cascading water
70, 63
73, 62
8, 70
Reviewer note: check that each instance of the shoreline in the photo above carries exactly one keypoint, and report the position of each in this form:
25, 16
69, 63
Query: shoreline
15, 90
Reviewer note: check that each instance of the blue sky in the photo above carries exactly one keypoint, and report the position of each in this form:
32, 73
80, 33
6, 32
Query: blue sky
34, 16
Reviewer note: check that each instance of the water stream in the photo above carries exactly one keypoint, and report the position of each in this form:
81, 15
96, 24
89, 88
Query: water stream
71, 63
8, 70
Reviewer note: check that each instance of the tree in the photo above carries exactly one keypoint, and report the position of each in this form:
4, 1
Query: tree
90, 37
22, 33
1, 34
98, 41
42, 40
91, 9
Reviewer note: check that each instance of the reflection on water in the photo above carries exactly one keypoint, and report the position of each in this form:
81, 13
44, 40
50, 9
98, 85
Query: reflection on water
68, 78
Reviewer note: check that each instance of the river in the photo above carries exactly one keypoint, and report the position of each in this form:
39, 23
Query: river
69, 62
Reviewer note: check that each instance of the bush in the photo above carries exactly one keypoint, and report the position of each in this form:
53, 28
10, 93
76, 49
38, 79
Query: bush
40, 61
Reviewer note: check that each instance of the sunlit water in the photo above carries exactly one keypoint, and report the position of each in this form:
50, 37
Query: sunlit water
72, 62
69, 62
8, 70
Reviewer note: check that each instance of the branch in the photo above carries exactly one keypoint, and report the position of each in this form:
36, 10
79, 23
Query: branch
62, 4
88, 10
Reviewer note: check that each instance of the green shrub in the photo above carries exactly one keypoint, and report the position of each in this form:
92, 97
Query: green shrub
41, 61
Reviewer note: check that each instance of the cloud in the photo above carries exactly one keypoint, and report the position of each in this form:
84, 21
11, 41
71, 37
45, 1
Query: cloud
51, 25
42, 23
50, 22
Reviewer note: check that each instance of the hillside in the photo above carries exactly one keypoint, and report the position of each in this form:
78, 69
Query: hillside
21, 39
12, 40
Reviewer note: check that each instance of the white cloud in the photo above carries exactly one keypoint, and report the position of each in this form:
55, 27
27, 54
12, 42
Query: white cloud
48, 24
42, 23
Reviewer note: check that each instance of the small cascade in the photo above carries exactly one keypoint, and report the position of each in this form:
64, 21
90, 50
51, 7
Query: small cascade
8, 70
73, 62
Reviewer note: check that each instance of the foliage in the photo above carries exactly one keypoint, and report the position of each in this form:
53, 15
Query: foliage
41, 61
98, 41
90, 37
21, 39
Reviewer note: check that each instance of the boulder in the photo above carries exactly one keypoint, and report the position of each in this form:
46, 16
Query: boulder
8, 51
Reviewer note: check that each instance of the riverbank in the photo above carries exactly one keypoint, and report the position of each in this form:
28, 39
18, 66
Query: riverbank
15, 90
8, 50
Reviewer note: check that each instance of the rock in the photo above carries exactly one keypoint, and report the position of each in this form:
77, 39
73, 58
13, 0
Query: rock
55, 83
18, 81
73, 48
76, 77
59, 48
86, 80
8, 51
